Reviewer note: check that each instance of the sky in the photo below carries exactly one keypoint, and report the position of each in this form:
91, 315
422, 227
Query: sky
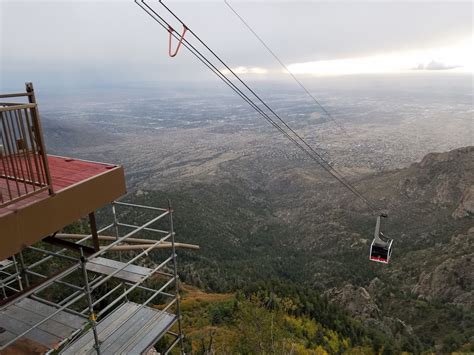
113, 41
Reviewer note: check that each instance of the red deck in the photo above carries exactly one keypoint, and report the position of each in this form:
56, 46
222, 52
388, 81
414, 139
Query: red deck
80, 187
65, 172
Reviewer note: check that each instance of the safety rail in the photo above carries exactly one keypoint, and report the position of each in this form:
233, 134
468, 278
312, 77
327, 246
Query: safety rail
24, 169
91, 294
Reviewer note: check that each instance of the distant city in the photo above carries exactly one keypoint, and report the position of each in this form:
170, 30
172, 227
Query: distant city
388, 127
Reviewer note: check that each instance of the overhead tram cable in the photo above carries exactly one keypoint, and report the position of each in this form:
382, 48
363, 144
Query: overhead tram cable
294, 137
284, 66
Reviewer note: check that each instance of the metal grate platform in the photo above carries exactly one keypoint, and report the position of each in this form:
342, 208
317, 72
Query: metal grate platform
19, 317
5, 263
127, 330
100, 304
131, 273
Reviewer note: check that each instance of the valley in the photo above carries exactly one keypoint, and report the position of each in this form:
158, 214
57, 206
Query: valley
261, 211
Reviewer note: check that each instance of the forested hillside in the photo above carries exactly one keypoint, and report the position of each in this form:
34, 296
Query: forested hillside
260, 319
318, 246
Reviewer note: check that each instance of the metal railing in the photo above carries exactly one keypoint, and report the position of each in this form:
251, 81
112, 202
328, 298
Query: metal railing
92, 295
24, 169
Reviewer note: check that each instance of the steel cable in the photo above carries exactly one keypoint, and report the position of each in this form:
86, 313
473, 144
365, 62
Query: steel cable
283, 65
301, 144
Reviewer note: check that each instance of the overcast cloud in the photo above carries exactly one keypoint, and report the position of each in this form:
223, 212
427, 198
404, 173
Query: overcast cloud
115, 41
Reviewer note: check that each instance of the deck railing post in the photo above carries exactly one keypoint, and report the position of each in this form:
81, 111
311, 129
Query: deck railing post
39, 134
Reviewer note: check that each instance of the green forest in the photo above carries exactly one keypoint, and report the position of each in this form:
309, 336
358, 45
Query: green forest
272, 306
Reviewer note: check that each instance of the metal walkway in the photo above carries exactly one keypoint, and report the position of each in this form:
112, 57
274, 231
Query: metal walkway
131, 273
128, 330
69, 298
5, 263
20, 316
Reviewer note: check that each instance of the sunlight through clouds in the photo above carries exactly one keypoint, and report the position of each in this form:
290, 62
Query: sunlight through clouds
246, 70
457, 58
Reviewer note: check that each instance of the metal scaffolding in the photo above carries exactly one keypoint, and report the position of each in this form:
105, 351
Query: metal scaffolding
119, 296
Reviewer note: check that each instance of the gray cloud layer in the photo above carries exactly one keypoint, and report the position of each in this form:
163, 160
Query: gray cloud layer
115, 41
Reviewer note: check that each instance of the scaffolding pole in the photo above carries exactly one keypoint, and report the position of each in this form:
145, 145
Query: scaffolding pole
176, 278
86, 301
92, 316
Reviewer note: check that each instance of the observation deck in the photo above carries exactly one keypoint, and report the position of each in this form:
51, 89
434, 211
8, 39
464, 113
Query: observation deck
41, 193
79, 293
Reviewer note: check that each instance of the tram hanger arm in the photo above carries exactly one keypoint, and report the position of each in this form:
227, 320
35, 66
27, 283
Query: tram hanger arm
377, 226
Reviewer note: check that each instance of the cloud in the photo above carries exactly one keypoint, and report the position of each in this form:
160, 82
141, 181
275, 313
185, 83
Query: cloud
246, 70
69, 38
457, 56
436, 65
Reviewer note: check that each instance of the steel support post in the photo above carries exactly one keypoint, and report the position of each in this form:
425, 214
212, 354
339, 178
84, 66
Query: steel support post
176, 279
23, 270
95, 235
18, 277
117, 236
92, 316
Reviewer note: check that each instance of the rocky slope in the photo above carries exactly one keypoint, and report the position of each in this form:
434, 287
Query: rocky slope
291, 222
451, 278
431, 279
